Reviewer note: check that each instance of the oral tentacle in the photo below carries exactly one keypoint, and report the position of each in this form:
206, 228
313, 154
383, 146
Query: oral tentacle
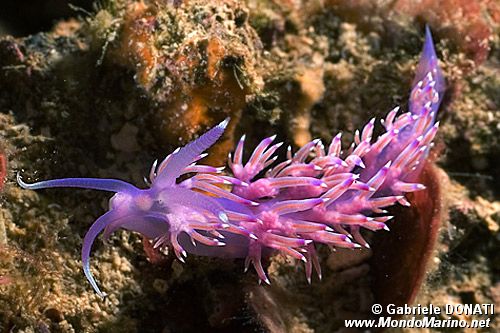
110, 185
94, 230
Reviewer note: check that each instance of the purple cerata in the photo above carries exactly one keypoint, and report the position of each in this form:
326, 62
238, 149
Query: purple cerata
318, 195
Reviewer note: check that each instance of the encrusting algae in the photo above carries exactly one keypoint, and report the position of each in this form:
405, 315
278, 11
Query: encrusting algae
191, 60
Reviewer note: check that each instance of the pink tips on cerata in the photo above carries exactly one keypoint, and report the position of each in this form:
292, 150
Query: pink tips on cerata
261, 205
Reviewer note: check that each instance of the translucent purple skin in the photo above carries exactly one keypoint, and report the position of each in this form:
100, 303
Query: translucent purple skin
317, 195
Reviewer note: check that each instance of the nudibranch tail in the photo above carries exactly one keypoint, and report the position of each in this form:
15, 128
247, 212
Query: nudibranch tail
428, 85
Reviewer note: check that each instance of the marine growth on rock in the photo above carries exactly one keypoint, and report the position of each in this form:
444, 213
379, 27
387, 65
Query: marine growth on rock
317, 195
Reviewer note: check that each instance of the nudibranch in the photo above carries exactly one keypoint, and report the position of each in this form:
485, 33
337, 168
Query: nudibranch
317, 195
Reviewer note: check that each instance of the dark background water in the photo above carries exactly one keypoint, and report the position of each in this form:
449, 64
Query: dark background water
25, 17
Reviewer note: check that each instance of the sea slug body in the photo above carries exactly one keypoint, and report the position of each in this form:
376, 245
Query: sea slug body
318, 195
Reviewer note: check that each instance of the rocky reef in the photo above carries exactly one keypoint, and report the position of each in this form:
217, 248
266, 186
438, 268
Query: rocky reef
115, 85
